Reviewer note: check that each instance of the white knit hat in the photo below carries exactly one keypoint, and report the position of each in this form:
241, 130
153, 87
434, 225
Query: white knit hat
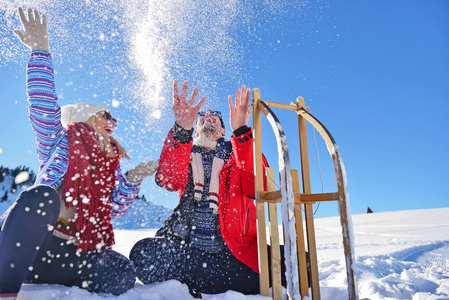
79, 112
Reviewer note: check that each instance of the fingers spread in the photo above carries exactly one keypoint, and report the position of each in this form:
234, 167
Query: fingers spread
30, 15
200, 103
193, 96
237, 97
149, 165
44, 21
175, 92
185, 86
36, 17
245, 97
23, 19
231, 103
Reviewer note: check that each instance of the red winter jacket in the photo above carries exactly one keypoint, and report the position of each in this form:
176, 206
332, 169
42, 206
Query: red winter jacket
237, 212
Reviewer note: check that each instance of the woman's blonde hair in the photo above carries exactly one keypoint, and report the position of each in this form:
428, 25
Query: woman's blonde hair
105, 144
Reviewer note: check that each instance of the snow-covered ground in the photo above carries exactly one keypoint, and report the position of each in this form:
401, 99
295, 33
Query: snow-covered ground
399, 255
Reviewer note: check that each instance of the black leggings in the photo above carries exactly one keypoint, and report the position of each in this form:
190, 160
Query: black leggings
26, 239
160, 259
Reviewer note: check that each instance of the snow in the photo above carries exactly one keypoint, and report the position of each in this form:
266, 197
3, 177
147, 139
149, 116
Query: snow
399, 255
22, 177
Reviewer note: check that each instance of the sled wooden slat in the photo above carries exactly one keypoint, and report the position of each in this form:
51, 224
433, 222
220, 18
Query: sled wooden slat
262, 248
260, 207
291, 106
274, 239
303, 274
318, 197
306, 185
276, 196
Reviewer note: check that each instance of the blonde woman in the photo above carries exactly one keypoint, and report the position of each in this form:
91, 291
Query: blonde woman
59, 230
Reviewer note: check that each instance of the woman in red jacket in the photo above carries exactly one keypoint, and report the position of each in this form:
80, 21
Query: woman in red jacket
210, 240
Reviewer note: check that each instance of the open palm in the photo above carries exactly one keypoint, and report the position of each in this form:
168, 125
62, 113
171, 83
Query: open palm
35, 34
185, 112
240, 112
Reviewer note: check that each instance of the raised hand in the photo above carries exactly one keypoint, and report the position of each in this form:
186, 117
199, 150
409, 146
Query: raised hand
142, 171
185, 112
240, 112
35, 35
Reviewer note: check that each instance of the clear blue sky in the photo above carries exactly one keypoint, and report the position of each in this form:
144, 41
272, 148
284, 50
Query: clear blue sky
374, 72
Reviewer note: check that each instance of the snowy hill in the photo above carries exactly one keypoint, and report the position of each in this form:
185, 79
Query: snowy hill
142, 215
399, 255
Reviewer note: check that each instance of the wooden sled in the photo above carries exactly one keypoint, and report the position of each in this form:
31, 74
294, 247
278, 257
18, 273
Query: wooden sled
290, 196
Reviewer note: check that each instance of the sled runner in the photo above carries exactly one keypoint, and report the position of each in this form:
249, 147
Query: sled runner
293, 201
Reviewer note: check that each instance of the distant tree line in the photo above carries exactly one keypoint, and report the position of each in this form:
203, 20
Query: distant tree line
6, 172
12, 173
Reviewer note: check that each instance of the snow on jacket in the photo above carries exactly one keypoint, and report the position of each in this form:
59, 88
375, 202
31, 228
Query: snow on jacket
236, 209
51, 137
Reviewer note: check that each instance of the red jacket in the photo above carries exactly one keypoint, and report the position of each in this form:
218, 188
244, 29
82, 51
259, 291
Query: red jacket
237, 212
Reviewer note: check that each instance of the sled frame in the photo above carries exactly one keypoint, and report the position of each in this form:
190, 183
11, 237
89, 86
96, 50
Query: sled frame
291, 199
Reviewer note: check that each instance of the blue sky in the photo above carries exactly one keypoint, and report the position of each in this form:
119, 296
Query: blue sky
375, 73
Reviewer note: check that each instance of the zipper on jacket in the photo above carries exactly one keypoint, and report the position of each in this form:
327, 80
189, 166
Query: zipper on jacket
246, 223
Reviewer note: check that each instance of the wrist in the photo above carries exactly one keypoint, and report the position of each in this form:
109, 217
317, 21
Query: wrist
41, 48
241, 130
129, 177
180, 134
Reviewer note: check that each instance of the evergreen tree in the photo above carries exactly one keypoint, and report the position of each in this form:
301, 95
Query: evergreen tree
15, 172
5, 197
3, 173
14, 186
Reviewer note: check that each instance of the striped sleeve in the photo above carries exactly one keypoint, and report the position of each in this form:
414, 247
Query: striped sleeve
44, 112
124, 194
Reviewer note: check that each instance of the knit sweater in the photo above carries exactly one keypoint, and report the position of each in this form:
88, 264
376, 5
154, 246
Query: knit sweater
205, 234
